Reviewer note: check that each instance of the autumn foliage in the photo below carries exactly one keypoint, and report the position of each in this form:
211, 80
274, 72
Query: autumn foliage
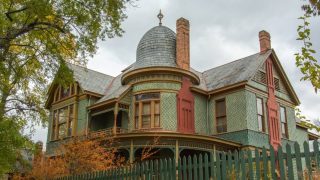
77, 157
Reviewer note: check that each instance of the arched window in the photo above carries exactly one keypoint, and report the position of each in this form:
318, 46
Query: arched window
147, 111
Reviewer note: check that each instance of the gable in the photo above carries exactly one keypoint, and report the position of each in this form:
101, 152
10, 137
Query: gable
283, 86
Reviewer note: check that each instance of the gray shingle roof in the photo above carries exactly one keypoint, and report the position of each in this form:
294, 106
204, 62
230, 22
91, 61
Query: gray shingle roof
90, 80
157, 47
233, 72
114, 89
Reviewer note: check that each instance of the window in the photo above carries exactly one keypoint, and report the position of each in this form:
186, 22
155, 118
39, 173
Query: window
283, 120
221, 117
147, 111
64, 92
260, 115
62, 123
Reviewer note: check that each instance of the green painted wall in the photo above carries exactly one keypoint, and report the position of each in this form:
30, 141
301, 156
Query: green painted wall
168, 112
156, 85
200, 114
236, 111
82, 116
211, 109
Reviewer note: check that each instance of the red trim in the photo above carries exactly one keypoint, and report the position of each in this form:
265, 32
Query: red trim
185, 108
273, 109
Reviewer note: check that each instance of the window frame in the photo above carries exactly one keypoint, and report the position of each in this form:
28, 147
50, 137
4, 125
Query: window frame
224, 116
261, 115
69, 122
285, 122
155, 98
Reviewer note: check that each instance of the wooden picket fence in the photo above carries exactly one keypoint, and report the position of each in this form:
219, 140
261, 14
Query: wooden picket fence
245, 164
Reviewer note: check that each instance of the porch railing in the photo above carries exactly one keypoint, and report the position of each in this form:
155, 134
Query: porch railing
107, 132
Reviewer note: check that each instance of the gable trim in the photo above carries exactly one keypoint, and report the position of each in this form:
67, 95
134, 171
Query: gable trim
282, 74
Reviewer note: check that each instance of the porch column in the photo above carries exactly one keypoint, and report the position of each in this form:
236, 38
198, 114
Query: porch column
177, 152
131, 154
214, 153
115, 111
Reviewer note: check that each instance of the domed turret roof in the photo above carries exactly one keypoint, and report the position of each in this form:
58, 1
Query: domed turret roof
157, 48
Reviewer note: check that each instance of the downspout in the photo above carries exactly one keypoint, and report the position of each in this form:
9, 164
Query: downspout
87, 129
208, 128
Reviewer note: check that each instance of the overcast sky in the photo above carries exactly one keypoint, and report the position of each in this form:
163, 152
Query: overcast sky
221, 32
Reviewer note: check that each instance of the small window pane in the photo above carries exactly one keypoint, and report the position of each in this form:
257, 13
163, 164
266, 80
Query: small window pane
156, 120
140, 97
221, 125
136, 122
260, 123
146, 108
63, 115
62, 130
146, 121
157, 108
283, 114
259, 106
221, 108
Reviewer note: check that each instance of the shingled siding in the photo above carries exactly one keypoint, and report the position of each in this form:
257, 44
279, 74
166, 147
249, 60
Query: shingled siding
236, 111
156, 86
82, 116
200, 114
168, 111
211, 114
264, 88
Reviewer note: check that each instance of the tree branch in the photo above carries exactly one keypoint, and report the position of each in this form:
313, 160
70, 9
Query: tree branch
14, 11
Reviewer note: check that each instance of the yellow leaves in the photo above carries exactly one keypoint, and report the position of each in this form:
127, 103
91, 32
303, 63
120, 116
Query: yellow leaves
50, 18
76, 157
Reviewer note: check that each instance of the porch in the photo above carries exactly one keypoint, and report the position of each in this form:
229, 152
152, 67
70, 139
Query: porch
109, 121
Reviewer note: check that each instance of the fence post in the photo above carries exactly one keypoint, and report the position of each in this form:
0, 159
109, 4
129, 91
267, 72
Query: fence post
224, 166
218, 165
212, 165
243, 165
281, 165
316, 153
189, 167
307, 157
195, 167
200, 167
184, 167
298, 160
265, 163
289, 162
257, 161
206, 167
236, 164
249, 153
273, 163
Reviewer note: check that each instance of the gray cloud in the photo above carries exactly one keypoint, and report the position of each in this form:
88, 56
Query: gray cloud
221, 31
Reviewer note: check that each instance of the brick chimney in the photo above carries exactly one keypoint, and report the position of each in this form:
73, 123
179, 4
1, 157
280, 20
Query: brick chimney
264, 39
183, 45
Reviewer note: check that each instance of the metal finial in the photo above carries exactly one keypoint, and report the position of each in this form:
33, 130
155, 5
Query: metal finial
160, 16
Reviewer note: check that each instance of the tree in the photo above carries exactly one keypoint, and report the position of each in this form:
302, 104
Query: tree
38, 37
305, 59
76, 157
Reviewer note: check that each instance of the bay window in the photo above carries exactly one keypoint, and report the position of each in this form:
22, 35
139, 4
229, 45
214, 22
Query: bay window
62, 122
147, 111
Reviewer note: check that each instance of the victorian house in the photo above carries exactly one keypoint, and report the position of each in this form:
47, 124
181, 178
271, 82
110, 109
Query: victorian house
242, 104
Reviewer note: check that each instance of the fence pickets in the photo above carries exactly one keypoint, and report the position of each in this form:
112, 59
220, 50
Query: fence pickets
245, 164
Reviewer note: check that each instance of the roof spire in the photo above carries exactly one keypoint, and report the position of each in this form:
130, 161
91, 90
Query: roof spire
160, 16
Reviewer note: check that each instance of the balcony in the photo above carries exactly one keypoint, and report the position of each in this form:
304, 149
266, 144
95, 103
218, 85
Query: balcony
107, 132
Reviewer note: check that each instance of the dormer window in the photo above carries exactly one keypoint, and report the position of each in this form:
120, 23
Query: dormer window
147, 111
64, 92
